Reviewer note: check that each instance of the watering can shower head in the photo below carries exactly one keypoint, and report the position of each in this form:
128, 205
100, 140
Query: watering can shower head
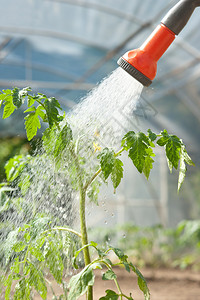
141, 63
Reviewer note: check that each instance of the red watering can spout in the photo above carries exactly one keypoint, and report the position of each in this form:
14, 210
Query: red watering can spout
141, 63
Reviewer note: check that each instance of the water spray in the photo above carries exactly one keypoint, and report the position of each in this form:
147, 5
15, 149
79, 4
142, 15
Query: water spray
141, 63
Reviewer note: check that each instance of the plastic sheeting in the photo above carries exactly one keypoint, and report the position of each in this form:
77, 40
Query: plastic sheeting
53, 44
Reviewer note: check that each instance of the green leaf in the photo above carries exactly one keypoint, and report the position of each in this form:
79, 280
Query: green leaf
184, 158
36, 279
141, 282
79, 283
117, 172
49, 137
9, 243
24, 182
122, 257
32, 123
19, 246
41, 113
54, 261
148, 163
119, 253
137, 144
30, 109
36, 252
93, 191
172, 148
107, 159
8, 284
63, 139
31, 100
152, 135
51, 105
18, 96
9, 107
109, 275
16, 266
93, 244
15, 166
110, 295
22, 290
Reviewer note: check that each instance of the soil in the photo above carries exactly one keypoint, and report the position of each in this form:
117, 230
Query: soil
164, 284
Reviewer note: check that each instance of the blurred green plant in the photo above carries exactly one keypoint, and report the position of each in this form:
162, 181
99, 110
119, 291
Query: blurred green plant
10, 147
156, 246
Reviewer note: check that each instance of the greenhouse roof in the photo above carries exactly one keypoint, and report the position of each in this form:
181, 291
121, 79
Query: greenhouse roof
64, 47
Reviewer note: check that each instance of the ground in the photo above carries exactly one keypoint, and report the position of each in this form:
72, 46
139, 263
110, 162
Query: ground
163, 285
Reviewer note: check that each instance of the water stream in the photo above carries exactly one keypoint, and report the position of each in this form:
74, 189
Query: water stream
103, 115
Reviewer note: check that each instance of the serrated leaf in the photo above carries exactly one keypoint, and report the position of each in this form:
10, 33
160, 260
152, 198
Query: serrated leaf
109, 275
148, 163
15, 165
62, 141
137, 144
30, 109
182, 170
19, 246
184, 158
93, 191
141, 282
79, 283
172, 148
117, 172
152, 135
17, 97
32, 124
51, 105
8, 284
41, 113
24, 182
31, 100
120, 254
16, 266
36, 252
110, 295
36, 279
49, 138
9, 243
22, 290
54, 261
107, 159
9, 107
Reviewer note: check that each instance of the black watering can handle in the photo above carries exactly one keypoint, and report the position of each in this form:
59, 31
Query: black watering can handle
178, 16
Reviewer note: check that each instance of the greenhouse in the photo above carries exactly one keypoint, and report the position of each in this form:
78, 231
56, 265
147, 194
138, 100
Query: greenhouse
67, 51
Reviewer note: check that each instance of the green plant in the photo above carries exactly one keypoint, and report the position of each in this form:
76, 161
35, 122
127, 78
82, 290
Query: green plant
31, 248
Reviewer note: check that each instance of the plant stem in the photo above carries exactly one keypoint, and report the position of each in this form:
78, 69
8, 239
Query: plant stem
91, 179
84, 237
63, 229
119, 152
